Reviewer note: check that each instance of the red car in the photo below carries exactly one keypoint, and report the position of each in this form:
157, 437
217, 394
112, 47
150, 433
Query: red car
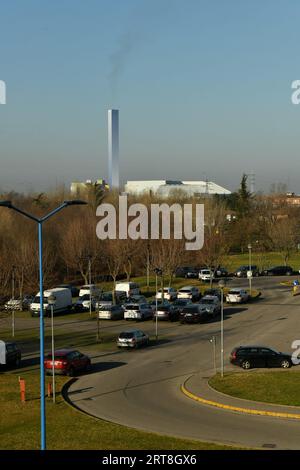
67, 362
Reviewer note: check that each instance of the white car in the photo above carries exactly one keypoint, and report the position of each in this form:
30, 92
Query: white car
169, 294
237, 296
189, 292
138, 312
206, 275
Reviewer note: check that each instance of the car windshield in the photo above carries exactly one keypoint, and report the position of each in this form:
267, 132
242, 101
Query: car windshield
185, 290
37, 300
180, 302
207, 301
56, 357
126, 335
235, 292
190, 310
106, 297
132, 307
164, 308
106, 308
84, 297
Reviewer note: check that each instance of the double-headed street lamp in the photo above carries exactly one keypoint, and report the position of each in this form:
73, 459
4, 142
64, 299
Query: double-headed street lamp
40, 221
52, 302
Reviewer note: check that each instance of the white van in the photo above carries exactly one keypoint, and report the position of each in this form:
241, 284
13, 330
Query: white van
90, 289
63, 302
130, 288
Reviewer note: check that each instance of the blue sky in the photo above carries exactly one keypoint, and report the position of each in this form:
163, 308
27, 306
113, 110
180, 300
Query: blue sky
203, 87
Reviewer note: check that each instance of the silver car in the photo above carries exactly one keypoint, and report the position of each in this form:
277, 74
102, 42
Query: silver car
132, 339
138, 312
111, 312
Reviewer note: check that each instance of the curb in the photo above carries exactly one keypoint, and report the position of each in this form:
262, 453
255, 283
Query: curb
237, 409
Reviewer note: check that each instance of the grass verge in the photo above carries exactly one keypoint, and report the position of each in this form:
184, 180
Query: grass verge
66, 427
278, 387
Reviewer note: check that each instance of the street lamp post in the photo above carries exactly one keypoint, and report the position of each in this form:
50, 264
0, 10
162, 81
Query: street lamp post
51, 302
40, 221
250, 268
98, 322
213, 342
158, 272
222, 285
13, 299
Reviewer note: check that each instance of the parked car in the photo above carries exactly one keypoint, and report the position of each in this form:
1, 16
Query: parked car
111, 312
278, 271
135, 299
181, 303
237, 296
206, 275
90, 289
132, 339
63, 302
169, 294
158, 303
243, 270
166, 312
106, 298
195, 313
10, 354
192, 273
215, 292
189, 292
221, 272
74, 290
212, 304
82, 304
130, 288
67, 362
138, 312
259, 356
19, 304
183, 271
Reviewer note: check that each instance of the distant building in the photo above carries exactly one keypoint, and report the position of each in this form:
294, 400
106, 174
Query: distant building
165, 188
81, 189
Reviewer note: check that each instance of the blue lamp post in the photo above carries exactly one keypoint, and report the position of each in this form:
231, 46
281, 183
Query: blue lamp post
40, 221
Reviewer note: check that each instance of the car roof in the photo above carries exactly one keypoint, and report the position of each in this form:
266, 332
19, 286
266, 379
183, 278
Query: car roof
210, 297
130, 331
63, 352
254, 346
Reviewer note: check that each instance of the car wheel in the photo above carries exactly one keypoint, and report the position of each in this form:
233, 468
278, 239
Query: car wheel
71, 372
285, 364
18, 362
246, 365
289, 273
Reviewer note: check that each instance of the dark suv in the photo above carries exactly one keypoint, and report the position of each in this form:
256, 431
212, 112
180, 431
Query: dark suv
242, 271
10, 354
279, 271
259, 356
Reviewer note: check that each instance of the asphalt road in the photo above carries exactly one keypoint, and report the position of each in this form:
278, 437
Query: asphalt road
141, 389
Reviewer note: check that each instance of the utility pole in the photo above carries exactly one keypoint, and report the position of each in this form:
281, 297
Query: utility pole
13, 301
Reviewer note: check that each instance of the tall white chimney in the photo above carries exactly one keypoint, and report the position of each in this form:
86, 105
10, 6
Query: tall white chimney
113, 148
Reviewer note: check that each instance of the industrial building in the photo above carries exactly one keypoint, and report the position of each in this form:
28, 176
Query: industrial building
165, 188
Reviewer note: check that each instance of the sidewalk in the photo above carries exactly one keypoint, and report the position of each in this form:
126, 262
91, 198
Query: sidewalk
198, 389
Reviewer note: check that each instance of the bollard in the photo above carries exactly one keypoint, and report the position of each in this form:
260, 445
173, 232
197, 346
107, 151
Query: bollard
22, 389
49, 390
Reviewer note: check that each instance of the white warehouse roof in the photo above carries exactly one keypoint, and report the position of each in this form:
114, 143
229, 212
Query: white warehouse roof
165, 187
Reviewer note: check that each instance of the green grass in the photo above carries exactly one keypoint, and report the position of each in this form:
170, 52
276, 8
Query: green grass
265, 260
66, 427
279, 387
